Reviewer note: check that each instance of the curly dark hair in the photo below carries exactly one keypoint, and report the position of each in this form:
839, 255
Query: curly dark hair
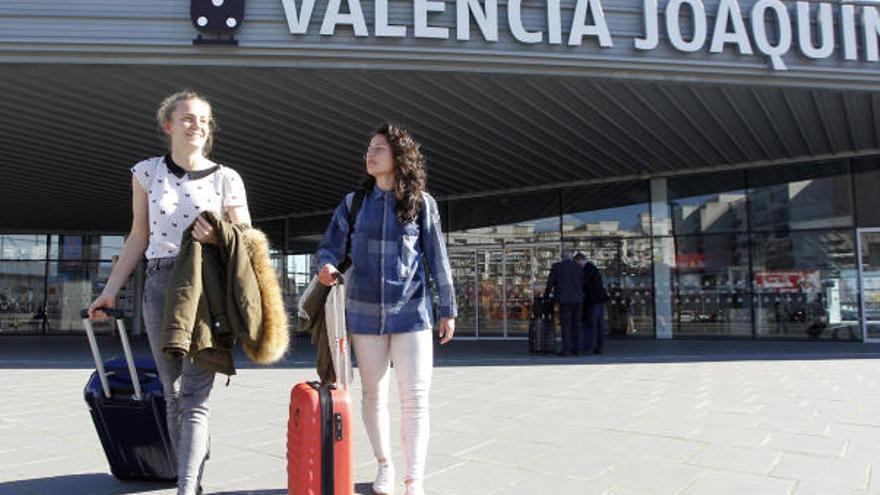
410, 174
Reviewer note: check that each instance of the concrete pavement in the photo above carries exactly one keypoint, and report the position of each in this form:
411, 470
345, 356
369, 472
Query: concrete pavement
647, 417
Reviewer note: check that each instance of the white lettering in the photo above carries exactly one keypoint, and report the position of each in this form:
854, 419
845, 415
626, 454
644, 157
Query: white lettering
673, 26
554, 22
783, 31
871, 25
514, 19
848, 21
487, 19
298, 22
355, 18
728, 10
421, 8
382, 26
825, 23
652, 36
579, 27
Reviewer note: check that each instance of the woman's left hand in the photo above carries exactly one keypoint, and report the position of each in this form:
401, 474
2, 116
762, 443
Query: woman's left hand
203, 231
447, 330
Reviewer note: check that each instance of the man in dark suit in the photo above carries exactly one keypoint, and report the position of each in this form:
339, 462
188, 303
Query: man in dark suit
566, 287
593, 333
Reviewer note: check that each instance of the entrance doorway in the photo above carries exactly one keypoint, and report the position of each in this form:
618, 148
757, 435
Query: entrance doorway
495, 286
869, 282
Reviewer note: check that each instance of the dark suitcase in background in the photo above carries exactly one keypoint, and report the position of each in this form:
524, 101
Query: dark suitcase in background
542, 327
129, 412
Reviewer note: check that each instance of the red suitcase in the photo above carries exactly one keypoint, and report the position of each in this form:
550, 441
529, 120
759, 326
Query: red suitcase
320, 451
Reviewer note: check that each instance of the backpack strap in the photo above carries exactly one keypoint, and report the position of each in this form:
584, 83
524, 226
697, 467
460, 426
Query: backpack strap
356, 202
422, 224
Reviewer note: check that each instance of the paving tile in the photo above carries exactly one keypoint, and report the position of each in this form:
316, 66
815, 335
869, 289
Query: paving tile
557, 485
734, 437
806, 444
851, 474
737, 459
724, 482
650, 476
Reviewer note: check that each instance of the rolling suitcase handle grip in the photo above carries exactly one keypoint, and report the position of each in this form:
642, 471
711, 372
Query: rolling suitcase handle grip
126, 348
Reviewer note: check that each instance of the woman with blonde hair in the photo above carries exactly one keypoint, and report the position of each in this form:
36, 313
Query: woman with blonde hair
389, 309
169, 193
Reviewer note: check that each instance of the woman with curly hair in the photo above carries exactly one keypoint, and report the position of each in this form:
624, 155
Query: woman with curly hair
389, 306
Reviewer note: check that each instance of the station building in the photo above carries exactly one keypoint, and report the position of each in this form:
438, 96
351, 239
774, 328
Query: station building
718, 160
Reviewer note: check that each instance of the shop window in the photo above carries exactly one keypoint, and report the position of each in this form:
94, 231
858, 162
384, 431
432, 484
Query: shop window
710, 286
805, 284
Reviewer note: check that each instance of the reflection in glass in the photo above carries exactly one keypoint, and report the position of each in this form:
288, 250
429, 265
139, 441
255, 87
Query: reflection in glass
490, 276
22, 247
527, 217
703, 204
710, 286
21, 296
73, 285
463, 263
79, 247
870, 261
805, 284
299, 274
606, 210
800, 197
111, 245
866, 172
625, 265
527, 270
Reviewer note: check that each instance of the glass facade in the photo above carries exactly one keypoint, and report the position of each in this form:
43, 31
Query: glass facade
765, 253
45, 280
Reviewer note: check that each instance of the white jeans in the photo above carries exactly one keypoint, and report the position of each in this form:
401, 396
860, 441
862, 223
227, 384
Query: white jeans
413, 356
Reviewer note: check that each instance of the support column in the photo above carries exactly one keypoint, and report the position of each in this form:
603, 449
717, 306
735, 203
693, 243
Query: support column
664, 258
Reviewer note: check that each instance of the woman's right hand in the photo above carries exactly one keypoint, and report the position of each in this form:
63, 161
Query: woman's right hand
103, 301
327, 275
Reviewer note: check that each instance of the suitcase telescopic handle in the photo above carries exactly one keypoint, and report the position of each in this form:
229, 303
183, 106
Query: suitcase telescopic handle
115, 313
126, 348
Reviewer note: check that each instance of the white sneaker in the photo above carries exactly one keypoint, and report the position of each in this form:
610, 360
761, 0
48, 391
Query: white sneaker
384, 484
415, 488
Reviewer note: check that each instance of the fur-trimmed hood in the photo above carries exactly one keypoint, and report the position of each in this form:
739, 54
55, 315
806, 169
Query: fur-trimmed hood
274, 340
219, 294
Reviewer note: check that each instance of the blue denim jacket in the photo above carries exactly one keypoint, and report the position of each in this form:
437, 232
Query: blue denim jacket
387, 285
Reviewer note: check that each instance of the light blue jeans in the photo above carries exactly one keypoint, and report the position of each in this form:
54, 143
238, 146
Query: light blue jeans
186, 386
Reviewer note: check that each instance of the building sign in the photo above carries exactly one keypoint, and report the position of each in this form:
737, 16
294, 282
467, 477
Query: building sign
788, 280
771, 28
220, 18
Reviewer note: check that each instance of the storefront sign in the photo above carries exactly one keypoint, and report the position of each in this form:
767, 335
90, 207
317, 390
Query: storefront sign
788, 280
770, 28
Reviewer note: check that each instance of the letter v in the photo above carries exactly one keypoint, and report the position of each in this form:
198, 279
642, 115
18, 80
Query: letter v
298, 22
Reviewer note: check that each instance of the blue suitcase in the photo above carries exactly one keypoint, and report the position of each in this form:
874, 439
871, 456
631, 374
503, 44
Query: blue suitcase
129, 413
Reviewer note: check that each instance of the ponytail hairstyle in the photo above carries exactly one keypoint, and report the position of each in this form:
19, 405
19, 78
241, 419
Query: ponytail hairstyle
169, 104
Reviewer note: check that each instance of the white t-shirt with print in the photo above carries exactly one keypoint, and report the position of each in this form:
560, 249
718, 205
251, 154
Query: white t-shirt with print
174, 203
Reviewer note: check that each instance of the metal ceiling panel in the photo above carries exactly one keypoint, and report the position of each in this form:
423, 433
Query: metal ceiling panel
69, 133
